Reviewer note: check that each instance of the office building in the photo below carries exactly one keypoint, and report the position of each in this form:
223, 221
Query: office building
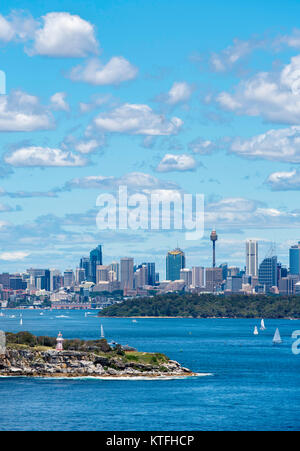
68, 278
175, 261
295, 259
252, 258
126, 267
198, 276
267, 274
213, 279
102, 274
115, 267
95, 260
79, 275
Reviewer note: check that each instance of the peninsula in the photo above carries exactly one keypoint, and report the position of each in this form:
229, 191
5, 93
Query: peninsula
28, 355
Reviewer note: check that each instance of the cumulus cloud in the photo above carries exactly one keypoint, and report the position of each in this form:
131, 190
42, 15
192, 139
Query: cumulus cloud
64, 35
59, 103
17, 27
278, 145
13, 256
133, 180
179, 92
274, 96
202, 146
22, 112
248, 214
137, 120
180, 163
43, 157
284, 181
116, 71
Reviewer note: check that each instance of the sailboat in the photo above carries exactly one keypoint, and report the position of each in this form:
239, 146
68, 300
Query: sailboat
1, 314
277, 338
21, 321
102, 331
255, 331
262, 325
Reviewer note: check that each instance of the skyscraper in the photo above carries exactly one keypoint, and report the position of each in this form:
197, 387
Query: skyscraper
186, 275
127, 273
85, 264
68, 278
175, 261
198, 277
295, 259
267, 274
252, 258
95, 260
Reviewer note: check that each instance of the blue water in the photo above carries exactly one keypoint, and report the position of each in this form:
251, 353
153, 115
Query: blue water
255, 385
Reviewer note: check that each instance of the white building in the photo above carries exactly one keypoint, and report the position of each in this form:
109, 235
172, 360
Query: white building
198, 275
252, 258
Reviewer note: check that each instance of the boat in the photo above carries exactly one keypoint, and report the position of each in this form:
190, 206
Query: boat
21, 320
262, 325
255, 331
2, 314
277, 338
134, 321
102, 331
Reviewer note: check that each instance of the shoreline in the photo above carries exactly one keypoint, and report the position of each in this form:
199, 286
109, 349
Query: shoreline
124, 377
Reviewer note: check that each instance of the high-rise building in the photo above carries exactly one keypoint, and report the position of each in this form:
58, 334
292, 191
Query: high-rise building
198, 273
95, 260
186, 275
213, 279
102, 273
175, 261
115, 266
252, 258
85, 264
127, 273
150, 273
295, 259
68, 278
234, 284
267, 274
141, 276
79, 275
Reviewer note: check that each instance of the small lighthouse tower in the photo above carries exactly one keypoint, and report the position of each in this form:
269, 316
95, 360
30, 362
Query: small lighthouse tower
59, 342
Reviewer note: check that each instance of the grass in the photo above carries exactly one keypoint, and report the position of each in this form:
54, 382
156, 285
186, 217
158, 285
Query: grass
146, 357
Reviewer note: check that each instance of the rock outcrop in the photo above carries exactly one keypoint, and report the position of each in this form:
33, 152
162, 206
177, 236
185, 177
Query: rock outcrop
51, 363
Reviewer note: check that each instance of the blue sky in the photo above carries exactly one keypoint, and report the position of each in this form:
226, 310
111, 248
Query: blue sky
186, 96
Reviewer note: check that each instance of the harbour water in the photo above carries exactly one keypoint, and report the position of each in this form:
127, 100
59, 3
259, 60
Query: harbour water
254, 385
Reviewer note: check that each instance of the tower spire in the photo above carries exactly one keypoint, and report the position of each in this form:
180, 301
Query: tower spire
214, 238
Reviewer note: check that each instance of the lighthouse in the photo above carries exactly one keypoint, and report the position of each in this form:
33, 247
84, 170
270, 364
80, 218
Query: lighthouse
59, 342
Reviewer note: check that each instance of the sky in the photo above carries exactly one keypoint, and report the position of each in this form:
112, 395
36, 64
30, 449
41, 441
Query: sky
162, 97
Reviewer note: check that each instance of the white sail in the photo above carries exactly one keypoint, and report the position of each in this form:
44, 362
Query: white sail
255, 331
277, 337
21, 321
262, 325
102, 331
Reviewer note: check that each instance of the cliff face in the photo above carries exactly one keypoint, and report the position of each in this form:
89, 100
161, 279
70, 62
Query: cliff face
51, 363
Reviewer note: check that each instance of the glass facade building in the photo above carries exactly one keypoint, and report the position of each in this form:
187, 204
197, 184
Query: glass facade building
175, 261
268, 276
295, 259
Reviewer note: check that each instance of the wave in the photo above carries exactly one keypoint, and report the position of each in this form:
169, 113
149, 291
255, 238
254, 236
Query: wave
114, 378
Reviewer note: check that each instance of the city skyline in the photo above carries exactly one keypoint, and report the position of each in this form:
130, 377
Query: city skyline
201, 125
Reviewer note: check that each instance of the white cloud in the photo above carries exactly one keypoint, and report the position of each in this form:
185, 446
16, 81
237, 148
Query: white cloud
13, 256
59, 103
88, 146
136, 181
278, 145
64, 35
284, 181
274, 96
180, 163
22, 112
137, 120
233, 54
179, 92
7, 32
116, 71
43, 157
202, 146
